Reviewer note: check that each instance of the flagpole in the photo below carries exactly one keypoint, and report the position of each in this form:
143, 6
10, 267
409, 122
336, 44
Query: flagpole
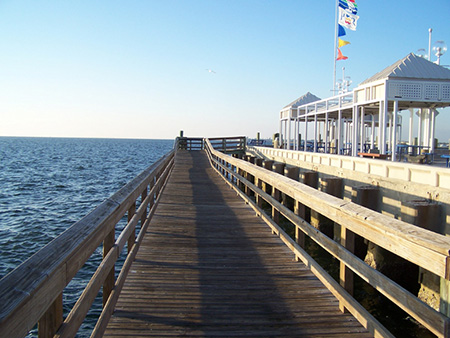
335, 46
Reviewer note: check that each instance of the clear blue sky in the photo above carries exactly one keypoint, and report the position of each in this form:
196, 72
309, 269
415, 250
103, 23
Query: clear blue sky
138, 69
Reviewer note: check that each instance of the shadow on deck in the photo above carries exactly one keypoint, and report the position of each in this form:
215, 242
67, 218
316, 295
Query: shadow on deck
208, 267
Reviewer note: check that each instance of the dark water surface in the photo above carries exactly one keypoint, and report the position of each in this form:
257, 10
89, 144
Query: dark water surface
47, 184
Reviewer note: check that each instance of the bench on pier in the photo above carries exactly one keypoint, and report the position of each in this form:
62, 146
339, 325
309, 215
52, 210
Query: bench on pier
374, 155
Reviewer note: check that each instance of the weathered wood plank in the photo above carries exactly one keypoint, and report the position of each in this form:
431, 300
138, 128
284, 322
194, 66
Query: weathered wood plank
209, 267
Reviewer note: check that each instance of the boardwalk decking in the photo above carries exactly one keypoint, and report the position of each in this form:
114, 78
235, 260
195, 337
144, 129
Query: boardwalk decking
208, 267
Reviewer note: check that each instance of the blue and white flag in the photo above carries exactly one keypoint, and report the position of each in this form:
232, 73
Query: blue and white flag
347, 19
349, 5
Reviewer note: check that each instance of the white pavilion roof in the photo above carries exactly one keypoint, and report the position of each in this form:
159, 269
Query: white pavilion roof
412, 67
307, 98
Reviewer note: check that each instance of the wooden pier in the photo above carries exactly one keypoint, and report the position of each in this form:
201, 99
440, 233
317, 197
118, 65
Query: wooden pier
208, 267
215, 245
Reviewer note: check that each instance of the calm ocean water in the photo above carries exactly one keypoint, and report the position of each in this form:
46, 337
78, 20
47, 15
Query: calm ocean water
47, 184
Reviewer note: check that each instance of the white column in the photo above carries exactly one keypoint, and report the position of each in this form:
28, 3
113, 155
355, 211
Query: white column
355, 130
306, 134
315, 133
433, 128
280, 139
420, 128
347, 133
411, 126
363, 136
327, 130
394, 132
289, 130
372, 136
389, 132
426, 128
383, 126
339, 133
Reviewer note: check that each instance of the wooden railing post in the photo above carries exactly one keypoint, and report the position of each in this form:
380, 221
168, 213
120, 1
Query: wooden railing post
152, 198
258, 182
143, 197
132, 238
108, 285
276, 194
233, 178
52, 319
345, 274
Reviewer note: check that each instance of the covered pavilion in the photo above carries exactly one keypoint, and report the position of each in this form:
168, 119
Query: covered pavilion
367, 119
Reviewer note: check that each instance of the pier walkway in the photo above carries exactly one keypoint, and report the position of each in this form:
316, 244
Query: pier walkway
221, 241
208, 267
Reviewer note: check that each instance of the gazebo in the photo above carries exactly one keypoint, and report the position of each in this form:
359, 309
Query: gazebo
367, 119
291, 113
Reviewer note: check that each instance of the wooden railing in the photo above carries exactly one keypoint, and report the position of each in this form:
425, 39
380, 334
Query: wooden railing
189, 143
32, 293
229, 145
422, 247
399, 182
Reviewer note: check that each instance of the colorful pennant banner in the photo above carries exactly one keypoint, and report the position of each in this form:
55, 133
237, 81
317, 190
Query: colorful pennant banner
347, 18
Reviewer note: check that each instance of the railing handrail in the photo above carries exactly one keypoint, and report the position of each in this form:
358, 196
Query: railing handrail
29, 291
434, 176
419, 246
236, 144
189, 143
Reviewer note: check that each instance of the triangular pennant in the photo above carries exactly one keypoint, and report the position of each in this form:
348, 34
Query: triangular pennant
342, 43
341, 31
340, 56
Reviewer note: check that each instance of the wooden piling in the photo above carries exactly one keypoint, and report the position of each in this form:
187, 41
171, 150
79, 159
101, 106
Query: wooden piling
310, 178
367, 196
428, 215
293, 173
267, 164
333, 186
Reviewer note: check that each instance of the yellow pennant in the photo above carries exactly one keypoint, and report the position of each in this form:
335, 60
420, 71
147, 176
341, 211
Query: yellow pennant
342, 43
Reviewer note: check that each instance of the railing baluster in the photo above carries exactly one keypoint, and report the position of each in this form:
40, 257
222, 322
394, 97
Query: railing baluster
132, 238
143, 197
108, 285
345, 274
52, 319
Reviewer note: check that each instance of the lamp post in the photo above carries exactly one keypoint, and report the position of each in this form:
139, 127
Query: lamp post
422, 53
343, 84
439, 49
